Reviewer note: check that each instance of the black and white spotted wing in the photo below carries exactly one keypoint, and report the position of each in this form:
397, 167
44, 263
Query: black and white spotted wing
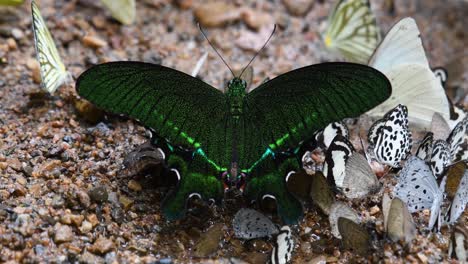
458, 141
250, 224
440, 157
394, 138
425, 147
418, 188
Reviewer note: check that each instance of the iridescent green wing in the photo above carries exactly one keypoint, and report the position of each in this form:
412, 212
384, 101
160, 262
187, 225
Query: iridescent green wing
180, 108
285, 111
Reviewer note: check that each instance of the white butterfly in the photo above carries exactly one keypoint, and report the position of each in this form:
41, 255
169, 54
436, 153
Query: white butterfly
401, 57
284, 246
418, 188
250, 224
53, 72
352, 30
393, 142
122, 10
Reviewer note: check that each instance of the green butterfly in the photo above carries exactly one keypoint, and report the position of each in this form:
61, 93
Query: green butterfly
215, 141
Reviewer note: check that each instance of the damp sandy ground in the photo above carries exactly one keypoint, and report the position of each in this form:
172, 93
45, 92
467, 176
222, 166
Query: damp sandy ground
63, 194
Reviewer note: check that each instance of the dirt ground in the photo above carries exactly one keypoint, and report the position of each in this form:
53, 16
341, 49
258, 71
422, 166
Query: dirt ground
63, 194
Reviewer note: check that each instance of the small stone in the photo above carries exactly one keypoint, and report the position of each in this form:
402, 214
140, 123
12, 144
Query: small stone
209, 241
102, 245
98, 194
88, 257
84, 199
19, 190
94, 42
256, 20
374, 210
99, 22
134, 186
422, 257
86, 227
92, 218
17, 33
216, 14
126, 202
318, 260
11, 44
63, 233
298, 7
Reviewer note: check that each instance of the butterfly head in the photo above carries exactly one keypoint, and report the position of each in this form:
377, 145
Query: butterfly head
237, 87
233, 180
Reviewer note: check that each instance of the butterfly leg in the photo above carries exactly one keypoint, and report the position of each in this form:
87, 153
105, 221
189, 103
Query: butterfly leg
191, 183
273, 185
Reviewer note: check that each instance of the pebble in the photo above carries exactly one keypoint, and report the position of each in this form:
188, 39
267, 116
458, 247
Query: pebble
209, 241
63, 233
374, 210
94, 42
86, 227
126, 202
98, 194
298, 7
102, 245
134, 186
88, 257
17, 33
216, 14
256, 20
11, 44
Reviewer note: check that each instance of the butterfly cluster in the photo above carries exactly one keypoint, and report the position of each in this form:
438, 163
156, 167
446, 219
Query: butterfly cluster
257, 142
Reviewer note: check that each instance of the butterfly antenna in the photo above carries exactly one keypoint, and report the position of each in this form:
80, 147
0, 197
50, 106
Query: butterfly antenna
264, 45
201, 30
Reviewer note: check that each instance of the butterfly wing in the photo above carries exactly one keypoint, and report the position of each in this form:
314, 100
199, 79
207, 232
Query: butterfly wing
122, 10
460, 200
285, 111
11, 2
401, 45
352, 30
402, 59
394, 138
424, 150
180, 108
359, 180
417, 186
53, 72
